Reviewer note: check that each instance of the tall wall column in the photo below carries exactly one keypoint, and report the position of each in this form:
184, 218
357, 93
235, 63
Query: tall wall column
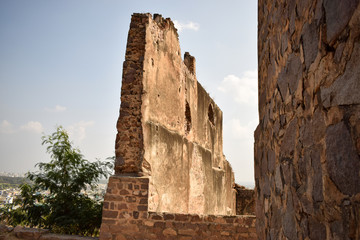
129, 144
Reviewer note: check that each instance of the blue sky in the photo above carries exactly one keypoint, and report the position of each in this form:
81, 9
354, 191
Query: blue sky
61, 64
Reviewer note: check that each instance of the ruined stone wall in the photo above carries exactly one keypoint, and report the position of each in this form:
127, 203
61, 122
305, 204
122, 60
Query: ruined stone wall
129, 144
169, 128
126, 215
307, 143
245, 200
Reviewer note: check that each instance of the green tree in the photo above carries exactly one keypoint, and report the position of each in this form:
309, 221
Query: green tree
56, 199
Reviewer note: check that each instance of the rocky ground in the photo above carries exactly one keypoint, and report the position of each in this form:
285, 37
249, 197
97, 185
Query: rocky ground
22, 233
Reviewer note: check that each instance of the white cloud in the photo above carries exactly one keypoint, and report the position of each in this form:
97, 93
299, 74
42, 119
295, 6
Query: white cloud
189, 25
6, 127
239, 147
57, 108
242, 89
77, 131
32, 126
243, 131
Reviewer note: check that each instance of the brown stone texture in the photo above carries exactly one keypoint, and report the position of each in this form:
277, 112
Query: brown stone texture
245, 200
126, 216
129, 140
23, 233
169, 128
307, 144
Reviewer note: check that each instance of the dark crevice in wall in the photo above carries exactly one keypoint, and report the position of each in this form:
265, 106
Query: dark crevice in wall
187, 118
211, 114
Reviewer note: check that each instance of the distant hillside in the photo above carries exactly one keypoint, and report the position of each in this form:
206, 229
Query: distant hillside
11, 182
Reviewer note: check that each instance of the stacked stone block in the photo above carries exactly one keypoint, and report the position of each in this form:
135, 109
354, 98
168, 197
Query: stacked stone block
129, 139
125, 207
192, 226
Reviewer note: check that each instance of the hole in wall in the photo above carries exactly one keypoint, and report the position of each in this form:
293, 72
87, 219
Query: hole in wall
187, 118
211, 114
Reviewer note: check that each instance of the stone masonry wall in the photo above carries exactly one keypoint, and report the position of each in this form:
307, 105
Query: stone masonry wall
307, 143
245, 200
129, 139
126, 217
169, 128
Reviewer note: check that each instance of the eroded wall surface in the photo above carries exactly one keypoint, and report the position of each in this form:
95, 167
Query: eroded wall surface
169, 128
307, 144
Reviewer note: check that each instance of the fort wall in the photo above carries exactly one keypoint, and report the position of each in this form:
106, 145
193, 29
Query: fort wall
171, 179
307, 143
169, 128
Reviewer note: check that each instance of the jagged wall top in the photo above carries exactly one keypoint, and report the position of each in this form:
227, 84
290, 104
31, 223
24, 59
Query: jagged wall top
163, 23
